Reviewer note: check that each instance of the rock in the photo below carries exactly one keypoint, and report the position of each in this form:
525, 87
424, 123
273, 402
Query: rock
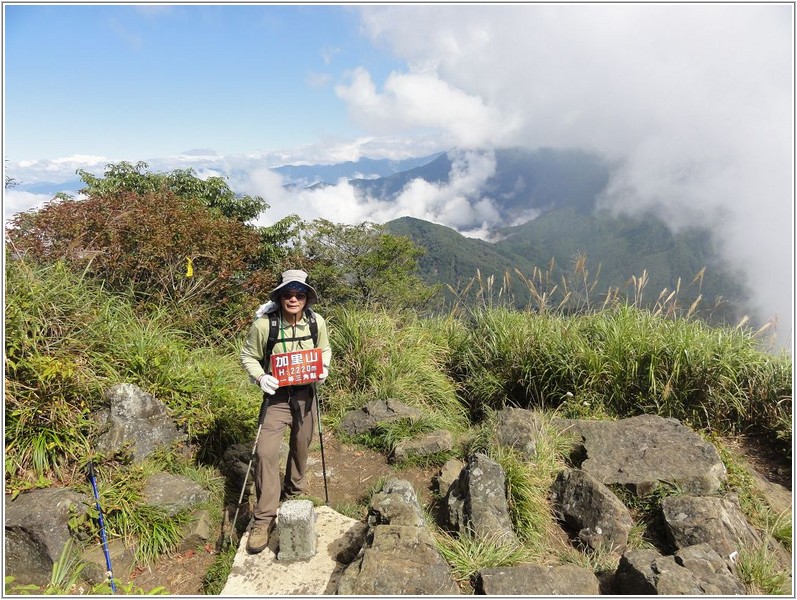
36, 531
136, 421
296, 524
123, 560
518, 428
710, 570
537, 580
396, 504
478, 501
449, 473
400, 555
432, 443
589, 507
401, 560
173, 493
375, 412
694, 571
646, 572
234, 463
197, 531
642, 451
718, 522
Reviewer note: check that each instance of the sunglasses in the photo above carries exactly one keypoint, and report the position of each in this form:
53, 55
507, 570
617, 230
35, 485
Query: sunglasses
298, 295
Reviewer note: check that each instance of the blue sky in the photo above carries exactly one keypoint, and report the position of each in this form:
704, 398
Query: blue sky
154, 79
694, 102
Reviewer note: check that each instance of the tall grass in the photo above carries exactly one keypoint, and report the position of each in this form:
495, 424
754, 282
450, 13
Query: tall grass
382, 356
627, 361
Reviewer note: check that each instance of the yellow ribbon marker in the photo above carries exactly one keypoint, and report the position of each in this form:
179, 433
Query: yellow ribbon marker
189, 270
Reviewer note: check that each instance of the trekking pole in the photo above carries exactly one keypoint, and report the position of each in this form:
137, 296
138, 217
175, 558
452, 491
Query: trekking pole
260, 418
93, 481
321, 441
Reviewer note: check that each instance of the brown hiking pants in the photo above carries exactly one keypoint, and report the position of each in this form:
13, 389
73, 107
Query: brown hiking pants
289, 407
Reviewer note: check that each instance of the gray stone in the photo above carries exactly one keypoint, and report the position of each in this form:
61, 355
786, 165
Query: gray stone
641, 452
646, 572
710, 570
375, 412
592, 509
197, 531
694, 571
429, 444
519, 429
449, 473
36, 531
173, 493
396, 504
401, 560
296, 526
123, 561
477, 502
136, 421
537, 580
718, 522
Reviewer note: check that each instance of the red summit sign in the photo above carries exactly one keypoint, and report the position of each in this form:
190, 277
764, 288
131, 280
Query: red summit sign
297, 368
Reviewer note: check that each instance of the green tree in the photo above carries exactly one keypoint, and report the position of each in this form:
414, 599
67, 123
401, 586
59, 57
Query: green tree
361, 264
213, 192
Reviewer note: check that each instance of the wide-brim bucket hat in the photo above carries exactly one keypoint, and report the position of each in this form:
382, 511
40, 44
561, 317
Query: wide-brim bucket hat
294, 279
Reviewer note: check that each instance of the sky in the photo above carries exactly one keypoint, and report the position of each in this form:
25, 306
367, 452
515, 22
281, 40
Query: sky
695, 102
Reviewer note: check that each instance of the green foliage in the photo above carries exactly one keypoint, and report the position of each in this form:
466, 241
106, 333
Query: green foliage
212, 192
363, 265
758, 570
219, 571
381, 357
528, 484
175, 241
626, 361
468, 554
67, 341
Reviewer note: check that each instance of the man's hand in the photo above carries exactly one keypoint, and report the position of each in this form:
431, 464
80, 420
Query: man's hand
323, 376
269, 384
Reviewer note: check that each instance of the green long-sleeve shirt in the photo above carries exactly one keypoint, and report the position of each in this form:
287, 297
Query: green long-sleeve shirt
256, 339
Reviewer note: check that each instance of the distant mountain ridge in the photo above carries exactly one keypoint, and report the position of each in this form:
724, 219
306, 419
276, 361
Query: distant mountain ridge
364, 168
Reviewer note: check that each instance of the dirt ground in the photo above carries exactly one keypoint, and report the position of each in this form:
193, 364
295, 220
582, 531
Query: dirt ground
351, 472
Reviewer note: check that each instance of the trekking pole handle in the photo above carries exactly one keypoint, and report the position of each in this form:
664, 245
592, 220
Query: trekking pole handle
90, 469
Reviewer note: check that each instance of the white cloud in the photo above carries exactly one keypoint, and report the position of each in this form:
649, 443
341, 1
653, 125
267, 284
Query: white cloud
17, 201
422, 100
695, 99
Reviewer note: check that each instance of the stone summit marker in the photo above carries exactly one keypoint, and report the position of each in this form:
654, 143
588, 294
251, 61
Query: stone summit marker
337, 538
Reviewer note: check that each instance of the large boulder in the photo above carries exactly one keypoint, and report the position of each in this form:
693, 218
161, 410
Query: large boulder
36, 531
136, 422
399, 555
375, 412
400, 560
643, 451
718, 522
477, 501
646, 572
537, 580
590, 508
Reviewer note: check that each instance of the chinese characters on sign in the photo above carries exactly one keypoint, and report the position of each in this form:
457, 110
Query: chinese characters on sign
297, 368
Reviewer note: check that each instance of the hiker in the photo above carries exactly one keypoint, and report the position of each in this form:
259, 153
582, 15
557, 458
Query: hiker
288, 311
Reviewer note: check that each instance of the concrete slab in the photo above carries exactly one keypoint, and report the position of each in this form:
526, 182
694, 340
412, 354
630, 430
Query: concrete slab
338, 539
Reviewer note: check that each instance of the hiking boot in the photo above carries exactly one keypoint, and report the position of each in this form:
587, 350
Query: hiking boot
258, 536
